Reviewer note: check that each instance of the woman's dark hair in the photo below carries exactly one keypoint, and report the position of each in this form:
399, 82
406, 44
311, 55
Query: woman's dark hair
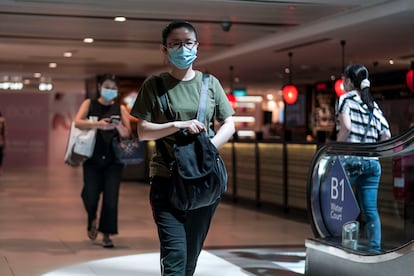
175, 25
357, 73
105, 77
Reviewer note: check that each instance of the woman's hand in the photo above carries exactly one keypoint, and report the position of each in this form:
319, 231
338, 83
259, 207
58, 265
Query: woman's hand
192, 126
105, 124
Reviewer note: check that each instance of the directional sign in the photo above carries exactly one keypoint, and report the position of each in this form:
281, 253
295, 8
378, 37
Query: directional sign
338, 201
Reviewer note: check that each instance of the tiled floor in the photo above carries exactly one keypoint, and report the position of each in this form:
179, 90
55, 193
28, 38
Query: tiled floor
42, 229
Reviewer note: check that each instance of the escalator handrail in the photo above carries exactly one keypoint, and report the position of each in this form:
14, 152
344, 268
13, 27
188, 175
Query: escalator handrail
397, 145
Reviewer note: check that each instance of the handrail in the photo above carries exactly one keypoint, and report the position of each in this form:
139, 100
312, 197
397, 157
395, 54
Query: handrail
396, 146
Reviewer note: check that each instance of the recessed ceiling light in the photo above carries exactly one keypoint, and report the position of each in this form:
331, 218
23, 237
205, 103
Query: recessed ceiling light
37, 75
52, 65
120, 19
391, 61
88, 40
67, 54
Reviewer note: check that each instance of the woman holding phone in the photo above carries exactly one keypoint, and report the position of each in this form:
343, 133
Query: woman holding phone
102, 172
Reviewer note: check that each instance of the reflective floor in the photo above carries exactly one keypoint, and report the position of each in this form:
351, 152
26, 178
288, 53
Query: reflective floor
43, 232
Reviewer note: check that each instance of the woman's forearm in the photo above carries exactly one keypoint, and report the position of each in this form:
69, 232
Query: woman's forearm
224, 133
153, 131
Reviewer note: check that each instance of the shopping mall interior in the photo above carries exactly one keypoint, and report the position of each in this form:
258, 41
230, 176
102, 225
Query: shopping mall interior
269, 221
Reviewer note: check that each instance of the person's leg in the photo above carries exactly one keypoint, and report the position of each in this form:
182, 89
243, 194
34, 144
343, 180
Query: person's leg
197, 225
171, 230
108, 221
1, 155
92, 187
367, 189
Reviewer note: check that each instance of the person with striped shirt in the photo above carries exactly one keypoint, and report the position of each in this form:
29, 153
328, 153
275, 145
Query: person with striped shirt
355, 110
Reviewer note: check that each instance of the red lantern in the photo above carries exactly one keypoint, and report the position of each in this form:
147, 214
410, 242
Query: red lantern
232, 99
410, 79
339, 87
290, 93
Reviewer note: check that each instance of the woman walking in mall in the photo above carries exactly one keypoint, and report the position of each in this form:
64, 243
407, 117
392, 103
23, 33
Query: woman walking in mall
181, 233
102, 172
355, 110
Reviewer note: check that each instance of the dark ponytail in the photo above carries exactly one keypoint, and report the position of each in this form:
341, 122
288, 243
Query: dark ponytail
358, 75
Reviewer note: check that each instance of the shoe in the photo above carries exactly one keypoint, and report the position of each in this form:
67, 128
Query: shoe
107, 242
93, 232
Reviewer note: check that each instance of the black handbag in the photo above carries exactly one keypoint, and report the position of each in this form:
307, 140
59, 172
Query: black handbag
354, 165
128, 151
198, 173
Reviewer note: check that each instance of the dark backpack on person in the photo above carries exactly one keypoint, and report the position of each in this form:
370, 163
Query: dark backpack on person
198, 173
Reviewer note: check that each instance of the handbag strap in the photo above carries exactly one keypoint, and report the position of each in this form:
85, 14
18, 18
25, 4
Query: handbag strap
201, 113
201, 105
371, 114
162, 93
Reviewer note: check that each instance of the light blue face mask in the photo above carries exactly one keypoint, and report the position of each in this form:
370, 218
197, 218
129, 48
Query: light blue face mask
182, 57
109, 94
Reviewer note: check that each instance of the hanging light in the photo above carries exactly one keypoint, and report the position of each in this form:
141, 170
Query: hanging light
339, 87
289, 91
339, 83
232, 100
409, 77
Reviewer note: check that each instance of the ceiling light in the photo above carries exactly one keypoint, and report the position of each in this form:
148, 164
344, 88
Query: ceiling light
120, 19
52, 65
45, 84
67, 54
37, 75
88, 40
391, 61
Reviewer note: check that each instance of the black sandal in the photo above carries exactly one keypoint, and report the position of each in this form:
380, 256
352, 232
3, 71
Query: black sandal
93, 233
107, 242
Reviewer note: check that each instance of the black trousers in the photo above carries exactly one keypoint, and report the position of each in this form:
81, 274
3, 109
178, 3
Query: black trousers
102, 178
181, 234
1, 155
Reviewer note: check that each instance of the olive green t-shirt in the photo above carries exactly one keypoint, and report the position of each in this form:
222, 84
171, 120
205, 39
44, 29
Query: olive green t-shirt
183, 97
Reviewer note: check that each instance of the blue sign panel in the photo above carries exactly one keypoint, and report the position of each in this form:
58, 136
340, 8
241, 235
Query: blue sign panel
338, 201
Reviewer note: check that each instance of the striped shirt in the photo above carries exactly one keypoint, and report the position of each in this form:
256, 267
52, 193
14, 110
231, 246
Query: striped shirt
351, 104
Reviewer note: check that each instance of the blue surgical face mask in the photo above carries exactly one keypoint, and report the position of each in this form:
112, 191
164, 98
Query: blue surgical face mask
109, 94
182, 57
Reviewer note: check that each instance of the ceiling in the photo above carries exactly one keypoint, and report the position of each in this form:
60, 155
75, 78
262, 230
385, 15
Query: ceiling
34, 33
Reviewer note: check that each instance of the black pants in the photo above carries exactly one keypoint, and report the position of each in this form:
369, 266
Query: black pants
1, 155
102, 178
181, 234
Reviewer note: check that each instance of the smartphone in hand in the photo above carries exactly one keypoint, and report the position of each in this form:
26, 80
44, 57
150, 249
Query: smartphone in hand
114, 119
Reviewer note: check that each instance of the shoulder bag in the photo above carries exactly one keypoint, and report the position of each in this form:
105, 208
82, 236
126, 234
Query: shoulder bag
128, 151
198, 173
80, 145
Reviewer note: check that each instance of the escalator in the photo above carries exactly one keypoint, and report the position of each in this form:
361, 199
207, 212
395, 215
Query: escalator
332, 204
